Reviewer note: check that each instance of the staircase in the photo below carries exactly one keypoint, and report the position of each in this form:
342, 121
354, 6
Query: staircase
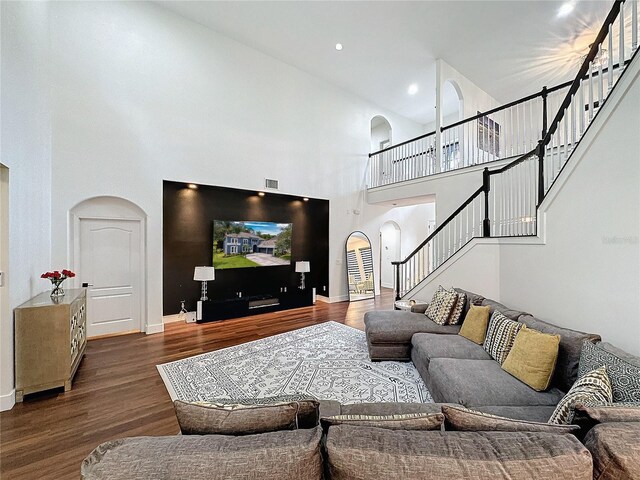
507, 202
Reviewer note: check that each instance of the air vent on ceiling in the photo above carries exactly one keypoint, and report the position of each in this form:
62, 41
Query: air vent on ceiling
270, 183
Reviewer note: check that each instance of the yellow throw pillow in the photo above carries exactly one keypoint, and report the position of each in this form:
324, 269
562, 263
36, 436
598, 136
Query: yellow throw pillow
533, 358
475, 324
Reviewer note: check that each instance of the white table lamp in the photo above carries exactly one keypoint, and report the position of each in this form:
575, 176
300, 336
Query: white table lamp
204, 274
302, 268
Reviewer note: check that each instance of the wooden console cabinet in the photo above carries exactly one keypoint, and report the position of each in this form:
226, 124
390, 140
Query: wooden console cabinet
50, 338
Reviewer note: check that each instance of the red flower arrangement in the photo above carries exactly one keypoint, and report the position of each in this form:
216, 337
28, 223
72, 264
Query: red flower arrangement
56, 278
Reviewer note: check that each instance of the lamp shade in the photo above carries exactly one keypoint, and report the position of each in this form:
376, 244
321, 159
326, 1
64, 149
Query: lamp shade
204, 274
303, 267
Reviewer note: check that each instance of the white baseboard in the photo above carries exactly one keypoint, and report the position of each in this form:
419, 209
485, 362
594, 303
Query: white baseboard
339, 298
7, 401
155, 328
171, 318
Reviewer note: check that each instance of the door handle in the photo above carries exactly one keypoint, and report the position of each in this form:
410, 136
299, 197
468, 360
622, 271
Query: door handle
86, 285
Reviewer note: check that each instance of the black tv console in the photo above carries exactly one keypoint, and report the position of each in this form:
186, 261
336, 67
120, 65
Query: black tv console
213, 310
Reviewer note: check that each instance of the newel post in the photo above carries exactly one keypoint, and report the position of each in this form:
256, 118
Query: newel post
486, 186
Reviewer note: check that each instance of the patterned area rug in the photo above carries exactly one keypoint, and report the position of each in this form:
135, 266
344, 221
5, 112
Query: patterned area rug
329, 361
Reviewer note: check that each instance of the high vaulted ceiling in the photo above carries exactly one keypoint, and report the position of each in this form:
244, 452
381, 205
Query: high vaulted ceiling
507, 48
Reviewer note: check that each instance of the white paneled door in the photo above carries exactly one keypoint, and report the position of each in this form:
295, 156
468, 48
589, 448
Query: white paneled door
110, 261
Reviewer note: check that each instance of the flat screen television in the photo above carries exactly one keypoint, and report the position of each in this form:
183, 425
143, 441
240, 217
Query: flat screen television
244, 244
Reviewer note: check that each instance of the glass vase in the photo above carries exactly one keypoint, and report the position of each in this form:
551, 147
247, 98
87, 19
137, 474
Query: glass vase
57, 291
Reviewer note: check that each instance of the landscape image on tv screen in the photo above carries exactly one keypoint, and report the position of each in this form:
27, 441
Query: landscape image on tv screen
251, 244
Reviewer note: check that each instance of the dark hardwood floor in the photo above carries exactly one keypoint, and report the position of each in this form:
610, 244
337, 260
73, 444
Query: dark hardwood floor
118, 392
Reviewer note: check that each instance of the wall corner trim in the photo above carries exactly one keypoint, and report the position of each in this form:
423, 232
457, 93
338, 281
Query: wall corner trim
7, 401
155, 328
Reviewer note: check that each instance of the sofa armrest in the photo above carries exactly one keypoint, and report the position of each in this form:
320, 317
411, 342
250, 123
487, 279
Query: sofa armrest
419, 308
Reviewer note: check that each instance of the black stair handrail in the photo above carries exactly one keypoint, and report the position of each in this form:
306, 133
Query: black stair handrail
547, 133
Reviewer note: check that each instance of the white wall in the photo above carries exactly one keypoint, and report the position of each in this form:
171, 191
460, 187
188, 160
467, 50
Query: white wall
26, 151
587, 275
380, 133
474, 98
140, 94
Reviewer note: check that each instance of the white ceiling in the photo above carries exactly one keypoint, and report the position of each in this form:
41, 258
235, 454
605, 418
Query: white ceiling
507, 48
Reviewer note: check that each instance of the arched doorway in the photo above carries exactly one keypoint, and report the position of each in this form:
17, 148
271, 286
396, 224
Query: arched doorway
390, 250
108, 251
453, 138
380, 133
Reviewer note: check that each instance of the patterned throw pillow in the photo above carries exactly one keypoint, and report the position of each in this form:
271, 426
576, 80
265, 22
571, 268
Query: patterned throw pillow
456, 313
501, 334
462, 419
406, 421
594, 386
624, 375
441, 305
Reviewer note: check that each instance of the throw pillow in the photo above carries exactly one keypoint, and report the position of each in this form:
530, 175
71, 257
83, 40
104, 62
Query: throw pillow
593, 386
623, 369
501, 334
406, 421
195, 419
609, 412
465, 420
458, 308
475, 324
308, 407
443, 301
533, 358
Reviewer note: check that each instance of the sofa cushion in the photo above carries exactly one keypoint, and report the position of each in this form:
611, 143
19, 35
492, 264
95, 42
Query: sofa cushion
389, 408
569, 352
366, 453
615, 448
402, 421
288, 455
623, 369
533, 358
532, 413
610, 412
472, 299
308, 415
475, 383
389, 351
206, 419
594, 386
475, 324
441, 305
395, 326
501, 335
506, 311
459, 418
432, 345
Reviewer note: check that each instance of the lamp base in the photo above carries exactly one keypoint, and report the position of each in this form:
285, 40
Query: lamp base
302, 285
203, 294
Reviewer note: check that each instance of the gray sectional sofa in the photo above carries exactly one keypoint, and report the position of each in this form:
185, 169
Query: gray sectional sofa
459, 371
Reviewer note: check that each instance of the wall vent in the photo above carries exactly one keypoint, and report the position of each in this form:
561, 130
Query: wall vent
270, 183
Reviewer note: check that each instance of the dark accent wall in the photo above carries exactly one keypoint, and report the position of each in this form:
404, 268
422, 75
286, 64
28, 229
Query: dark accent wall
188, 217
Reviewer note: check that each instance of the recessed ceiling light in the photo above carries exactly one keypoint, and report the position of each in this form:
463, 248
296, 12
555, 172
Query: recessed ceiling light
261, 194
338, 46
413, 89
192, 186
305, 199
566, 9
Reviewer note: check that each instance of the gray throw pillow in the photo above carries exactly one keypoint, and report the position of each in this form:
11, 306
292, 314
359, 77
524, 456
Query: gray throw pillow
623, 369
213, 419
465, 420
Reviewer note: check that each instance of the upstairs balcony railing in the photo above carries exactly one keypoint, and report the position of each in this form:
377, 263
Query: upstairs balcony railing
513, 129
506, 204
